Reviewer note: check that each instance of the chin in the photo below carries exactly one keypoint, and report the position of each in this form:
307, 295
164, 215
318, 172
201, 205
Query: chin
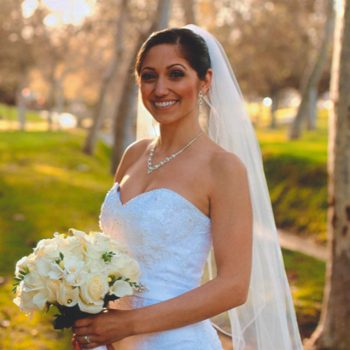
165, 117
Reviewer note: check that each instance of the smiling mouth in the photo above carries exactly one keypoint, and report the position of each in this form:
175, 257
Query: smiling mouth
164, 104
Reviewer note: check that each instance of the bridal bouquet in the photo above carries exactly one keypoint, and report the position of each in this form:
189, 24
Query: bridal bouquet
78, 273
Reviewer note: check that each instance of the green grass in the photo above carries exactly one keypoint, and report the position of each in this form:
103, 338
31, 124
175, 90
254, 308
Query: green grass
296, 173
9, 113
47, 184
306, 276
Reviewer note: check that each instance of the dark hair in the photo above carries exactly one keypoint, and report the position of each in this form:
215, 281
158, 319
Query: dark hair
193, 48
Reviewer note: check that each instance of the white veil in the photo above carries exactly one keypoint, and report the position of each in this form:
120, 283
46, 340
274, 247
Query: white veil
267, 320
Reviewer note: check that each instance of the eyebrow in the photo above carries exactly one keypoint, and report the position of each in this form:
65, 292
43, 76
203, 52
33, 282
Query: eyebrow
168, 67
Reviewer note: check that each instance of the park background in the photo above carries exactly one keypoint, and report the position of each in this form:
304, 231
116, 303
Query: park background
67, 112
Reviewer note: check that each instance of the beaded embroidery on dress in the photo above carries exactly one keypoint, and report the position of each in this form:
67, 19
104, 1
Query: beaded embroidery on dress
170, 238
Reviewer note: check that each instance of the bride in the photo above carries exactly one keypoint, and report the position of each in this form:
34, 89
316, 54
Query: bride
175, 195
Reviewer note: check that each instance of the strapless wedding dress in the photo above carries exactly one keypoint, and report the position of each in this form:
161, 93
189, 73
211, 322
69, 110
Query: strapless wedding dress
170, 238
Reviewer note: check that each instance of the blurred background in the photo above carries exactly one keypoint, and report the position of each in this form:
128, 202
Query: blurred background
68, 110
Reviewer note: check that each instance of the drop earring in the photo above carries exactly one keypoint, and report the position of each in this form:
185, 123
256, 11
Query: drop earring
200, 98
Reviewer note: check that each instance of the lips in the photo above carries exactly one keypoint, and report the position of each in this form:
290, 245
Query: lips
164, 104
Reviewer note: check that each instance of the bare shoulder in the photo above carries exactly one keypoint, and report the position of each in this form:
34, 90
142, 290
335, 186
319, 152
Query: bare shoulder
134, 151
226, 169
137, 148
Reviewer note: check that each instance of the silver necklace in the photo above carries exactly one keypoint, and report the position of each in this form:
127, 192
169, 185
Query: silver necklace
151, 167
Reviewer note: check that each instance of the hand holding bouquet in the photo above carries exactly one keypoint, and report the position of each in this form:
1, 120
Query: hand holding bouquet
79, 273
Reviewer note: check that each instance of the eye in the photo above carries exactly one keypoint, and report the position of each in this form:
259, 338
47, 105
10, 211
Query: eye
176, 73
147, 76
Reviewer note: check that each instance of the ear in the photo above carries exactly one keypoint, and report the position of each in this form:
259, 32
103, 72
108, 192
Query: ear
206, 82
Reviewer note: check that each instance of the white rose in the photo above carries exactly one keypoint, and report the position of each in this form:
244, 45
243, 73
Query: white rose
49, 248
29, 299
94, 308
92, 254
123, 265
24, 299
35, 288
27, 262
94, 289
21, 265
41, 298
96, 267
73, 247
67, 295
52, 287
56, 272
43, 266
121, 288
103, 244
83, 237
33, 281
72, 269
101, 241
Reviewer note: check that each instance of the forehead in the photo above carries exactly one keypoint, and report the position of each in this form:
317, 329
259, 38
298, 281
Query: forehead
164, 55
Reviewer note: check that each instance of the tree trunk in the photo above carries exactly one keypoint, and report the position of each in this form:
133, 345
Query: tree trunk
332, 332
51, 98
97, 119
189, 11
125, 115
21, 105
315, 75
274, 107
312, 113
59, 95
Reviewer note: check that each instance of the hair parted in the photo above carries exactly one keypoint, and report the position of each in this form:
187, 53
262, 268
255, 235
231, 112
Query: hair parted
192, 46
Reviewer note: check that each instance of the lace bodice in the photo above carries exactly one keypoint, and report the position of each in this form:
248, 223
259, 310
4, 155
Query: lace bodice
170, 238
165, 233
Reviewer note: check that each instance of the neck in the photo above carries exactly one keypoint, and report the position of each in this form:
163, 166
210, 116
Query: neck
174, 136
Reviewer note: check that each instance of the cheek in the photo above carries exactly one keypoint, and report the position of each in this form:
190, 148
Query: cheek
145, 91
189, 92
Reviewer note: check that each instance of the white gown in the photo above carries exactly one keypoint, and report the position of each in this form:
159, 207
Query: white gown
170, 238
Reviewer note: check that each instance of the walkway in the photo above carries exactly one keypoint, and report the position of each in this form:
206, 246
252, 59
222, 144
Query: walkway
303, 245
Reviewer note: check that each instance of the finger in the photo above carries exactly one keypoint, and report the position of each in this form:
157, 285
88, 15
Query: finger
110, 347
83, 331
90, 345
86, 340
83, 322
75, 343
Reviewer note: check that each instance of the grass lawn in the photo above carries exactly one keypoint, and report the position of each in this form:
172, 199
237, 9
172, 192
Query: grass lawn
47, 184
296, 173
9, 113
306, 277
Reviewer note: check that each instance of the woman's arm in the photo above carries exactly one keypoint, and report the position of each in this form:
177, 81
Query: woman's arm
231, 216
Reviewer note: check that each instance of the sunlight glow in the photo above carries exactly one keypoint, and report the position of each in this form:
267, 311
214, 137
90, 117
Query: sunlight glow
267, 101
339, 8
61, 12
29, 7
67, 121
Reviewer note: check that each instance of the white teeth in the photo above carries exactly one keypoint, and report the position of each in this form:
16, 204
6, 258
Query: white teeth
164, 104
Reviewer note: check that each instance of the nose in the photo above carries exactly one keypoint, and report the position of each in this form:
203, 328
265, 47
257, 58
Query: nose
161, 88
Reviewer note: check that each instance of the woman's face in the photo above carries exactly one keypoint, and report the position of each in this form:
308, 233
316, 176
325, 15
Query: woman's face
169, 85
